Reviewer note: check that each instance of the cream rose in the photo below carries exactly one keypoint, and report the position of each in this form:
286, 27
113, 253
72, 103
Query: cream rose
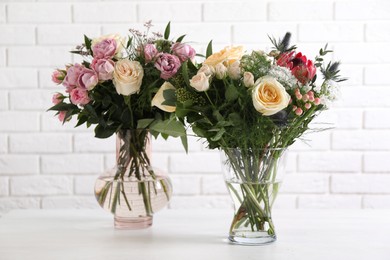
234, 70
158, 99
228, 56
220, 71
120, 42
206, 69
200, 82
249, 79
127, 77
269, 96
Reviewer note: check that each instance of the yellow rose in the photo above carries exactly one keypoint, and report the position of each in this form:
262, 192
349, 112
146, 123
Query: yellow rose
269, 96
127, 77
228, 56
158, 99
120, 43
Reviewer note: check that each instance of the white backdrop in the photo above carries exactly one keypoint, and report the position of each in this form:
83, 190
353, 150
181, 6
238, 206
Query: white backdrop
46, 165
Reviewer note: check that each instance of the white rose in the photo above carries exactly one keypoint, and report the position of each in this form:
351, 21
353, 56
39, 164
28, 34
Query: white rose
206, 69
158, 99
220, 71
120, 43
249, 79
127, 77
200, 82
269, 96
234, 70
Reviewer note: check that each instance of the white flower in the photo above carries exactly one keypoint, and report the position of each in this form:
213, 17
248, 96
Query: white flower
206, 69
283, 75
249, 80
127, 77
158, 99
200, 82
220, 71
269, 96
234, 70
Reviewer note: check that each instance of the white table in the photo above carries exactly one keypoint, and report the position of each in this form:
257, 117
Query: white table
201, 234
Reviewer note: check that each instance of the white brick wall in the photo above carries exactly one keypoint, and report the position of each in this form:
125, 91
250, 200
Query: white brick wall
44, 164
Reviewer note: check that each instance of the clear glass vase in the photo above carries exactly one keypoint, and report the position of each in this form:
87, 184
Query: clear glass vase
253, 182
133, 191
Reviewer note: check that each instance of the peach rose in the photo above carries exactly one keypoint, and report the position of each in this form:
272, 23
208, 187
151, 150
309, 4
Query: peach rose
228, 56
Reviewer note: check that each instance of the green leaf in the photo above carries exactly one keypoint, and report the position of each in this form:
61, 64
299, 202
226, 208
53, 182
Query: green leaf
198, 131
81, 120
219, 135
184, 71
184, 142
180, 39
101, 132
63, 107
169, 97
91, 111
167, 31
144, 123
209, 49
169, 127
231, 93
87, 42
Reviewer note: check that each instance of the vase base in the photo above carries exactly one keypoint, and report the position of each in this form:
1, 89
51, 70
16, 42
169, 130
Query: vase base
133, 223
252, 241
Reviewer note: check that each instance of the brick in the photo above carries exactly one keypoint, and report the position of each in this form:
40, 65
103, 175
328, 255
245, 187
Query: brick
227, 11
348, 118
39, 13
85, 12
31, 100
331, 32
2, 57
19, 121
175, 145
109, 161
38, 56
213, 185
244, 32
361, 140
40, 143
18, 78
200, 202
376, 202
66, 34
364, 97
160, 161
3, 143
311, 50
329, 201
376, 162
44, 79
19, 164
189, 163
285, 201
377, 118
51, 123
291, 11
17, 35
178, 12
202, 32
376, 75
41, 185
378, 31
69, 203
330, 162
3, 100
72, 164
360, 183
312, 141
288, 162
7, 204
4, 186
185, 185
354, 74
84, 185
88, 143
348, 53
2, 13
360, 10
305, 183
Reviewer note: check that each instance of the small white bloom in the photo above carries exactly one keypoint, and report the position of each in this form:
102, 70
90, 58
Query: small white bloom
283, 75
220, 71
234, 70
249, 79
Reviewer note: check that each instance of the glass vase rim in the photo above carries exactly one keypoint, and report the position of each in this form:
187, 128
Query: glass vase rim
260, 149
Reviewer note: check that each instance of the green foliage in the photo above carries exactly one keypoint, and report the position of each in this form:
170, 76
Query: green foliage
209, 49
167, 31
257, 63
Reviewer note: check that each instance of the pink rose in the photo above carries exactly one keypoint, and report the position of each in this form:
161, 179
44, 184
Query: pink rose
58, 76
72, 76
79, 96
61, 116
105, 49
183, 51
88, 79
150, 52
57, 98
168, 64
104, 68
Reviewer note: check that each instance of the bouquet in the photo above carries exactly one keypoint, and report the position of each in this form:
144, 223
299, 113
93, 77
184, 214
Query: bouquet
252, 106
120, 87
